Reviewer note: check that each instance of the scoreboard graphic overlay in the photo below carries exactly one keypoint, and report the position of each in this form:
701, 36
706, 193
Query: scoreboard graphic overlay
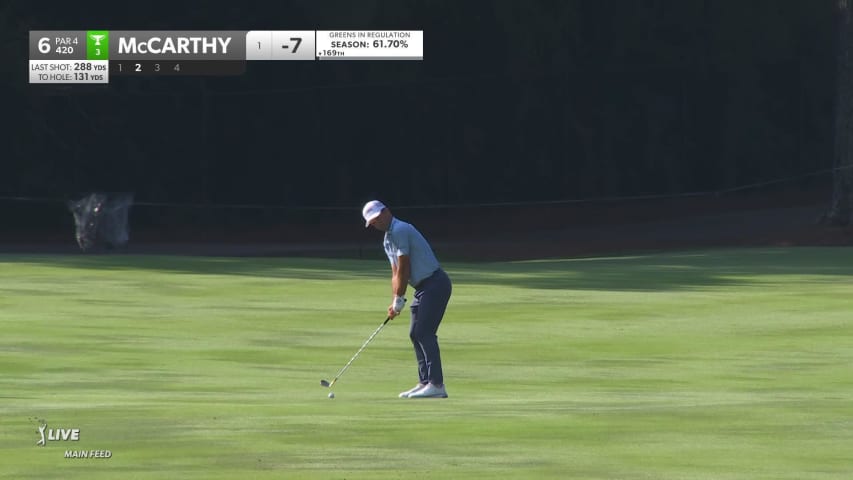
93, 56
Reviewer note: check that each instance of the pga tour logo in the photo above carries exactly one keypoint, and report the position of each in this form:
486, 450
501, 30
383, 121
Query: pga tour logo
56, 434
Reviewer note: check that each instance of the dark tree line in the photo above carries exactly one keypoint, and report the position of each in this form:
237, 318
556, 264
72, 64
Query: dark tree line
841, 209
515, 101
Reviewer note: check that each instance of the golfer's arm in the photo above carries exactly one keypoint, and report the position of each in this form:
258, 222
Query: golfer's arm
400, 276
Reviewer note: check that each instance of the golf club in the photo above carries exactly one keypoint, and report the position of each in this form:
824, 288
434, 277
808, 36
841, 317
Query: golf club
326, 383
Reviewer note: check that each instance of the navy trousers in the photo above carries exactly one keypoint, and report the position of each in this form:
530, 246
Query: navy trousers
431, 297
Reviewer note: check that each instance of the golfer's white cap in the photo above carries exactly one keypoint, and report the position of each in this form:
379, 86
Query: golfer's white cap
371, 210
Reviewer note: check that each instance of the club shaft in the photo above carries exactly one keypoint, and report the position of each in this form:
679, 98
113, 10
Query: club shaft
372, 335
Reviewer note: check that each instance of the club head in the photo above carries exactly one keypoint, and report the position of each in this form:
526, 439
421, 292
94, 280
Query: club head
324, 383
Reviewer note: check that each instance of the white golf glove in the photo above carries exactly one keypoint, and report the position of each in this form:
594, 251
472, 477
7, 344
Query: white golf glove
399, 303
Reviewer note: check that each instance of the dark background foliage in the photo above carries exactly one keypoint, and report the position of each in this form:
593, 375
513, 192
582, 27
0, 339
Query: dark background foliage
514, 101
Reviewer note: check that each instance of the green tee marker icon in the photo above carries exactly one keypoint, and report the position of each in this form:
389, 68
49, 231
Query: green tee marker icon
97, 44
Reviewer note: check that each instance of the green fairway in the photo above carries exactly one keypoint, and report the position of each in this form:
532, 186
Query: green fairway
719, 364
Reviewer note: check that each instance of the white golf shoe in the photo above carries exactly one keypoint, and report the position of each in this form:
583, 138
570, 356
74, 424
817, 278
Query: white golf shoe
412, 390
430, 391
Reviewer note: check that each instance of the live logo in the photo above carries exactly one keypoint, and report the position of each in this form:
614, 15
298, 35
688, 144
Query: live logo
63, 434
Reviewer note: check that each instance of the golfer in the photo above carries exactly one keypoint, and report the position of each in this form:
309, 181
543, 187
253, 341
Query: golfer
413, 262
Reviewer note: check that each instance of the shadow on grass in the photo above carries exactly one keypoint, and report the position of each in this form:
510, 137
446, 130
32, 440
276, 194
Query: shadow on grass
299, 268
646, 272
663, 271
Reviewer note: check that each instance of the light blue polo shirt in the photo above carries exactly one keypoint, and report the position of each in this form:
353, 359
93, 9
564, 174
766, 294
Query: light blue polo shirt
404, 239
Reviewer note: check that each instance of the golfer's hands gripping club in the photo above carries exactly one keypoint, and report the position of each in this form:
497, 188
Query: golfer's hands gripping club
396, 306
